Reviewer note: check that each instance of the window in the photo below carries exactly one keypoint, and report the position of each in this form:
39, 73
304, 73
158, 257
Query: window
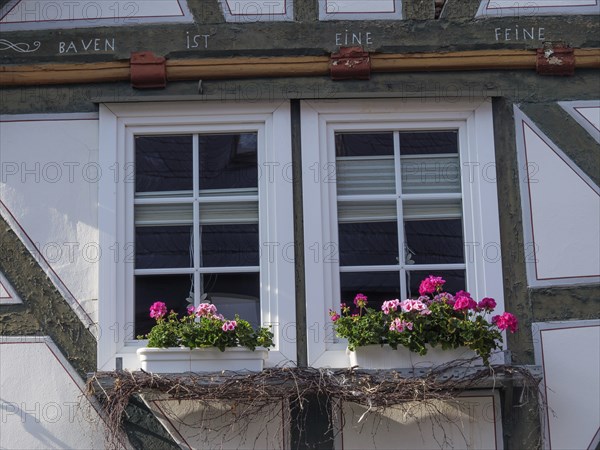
395, 191
180, 214
196, 224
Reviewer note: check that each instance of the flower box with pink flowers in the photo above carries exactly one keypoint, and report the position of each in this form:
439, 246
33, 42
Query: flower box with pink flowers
436, 328
202, 341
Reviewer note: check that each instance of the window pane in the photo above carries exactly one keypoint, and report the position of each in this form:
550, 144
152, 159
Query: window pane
365, 163
228, 161
371, 243
430, 174
163, 163
455, 280
429, 162
362, 176
428, 142
229, 245
364, 144
163, 247
233, 293
377, 286
170, 289
434, 241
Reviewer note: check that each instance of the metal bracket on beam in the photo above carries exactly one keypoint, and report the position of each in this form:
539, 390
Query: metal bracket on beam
350, 63
555, 59
148, 71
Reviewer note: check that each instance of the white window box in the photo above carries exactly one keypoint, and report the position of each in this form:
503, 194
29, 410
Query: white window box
385, 357
180, 359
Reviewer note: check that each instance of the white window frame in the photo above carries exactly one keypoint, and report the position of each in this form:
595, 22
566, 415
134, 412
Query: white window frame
118, 125
320, 119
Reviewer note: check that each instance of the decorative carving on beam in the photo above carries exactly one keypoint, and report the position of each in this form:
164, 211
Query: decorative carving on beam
350, 63
555, 59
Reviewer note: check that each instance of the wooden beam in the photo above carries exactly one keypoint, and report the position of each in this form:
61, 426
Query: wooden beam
285, 66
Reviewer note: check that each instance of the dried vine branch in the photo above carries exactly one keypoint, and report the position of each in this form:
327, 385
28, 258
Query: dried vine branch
252, 392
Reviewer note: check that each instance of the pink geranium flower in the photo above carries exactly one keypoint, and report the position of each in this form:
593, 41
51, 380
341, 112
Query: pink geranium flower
360, 300
430, 285
412, 305
206, 310
463, 300
506, 321
400, 325
444, 297
334, 315
390, 305
487, 303
229, 325
158, 310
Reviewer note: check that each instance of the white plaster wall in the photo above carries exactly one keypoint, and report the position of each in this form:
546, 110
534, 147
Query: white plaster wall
257, 10
468, 423
517, 8
566, 214
49, 176
568, 354
561, 212
45, 14
215, 425
360, 10
41, 403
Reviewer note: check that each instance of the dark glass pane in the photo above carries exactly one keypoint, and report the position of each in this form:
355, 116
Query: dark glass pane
170, 289
228, 161
364, 144
428, 142
377, 286
371, 243
233, 293
163, 163
229, 245
434, 241
455, 280
163, 247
